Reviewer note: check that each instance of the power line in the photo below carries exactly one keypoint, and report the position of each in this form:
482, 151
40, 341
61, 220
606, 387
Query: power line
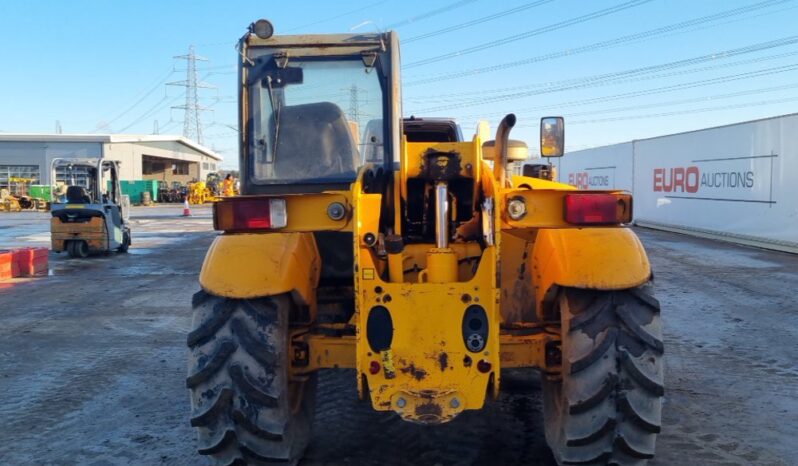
332, 18
712, 81
474, 22
612, 78
160, 105
622, 40
653, 91
429, 14
138, 101
168, 124
404, 22
534, 32
671, 103
556, 86
707, 82
685, 112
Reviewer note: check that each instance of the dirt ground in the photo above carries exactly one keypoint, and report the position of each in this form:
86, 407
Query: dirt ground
92, 363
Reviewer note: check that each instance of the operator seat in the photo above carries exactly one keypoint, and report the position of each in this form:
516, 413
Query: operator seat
77, 195
314, 141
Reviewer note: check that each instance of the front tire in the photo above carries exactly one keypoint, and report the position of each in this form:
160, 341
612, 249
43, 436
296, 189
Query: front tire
125, 243
606, 406
244, 406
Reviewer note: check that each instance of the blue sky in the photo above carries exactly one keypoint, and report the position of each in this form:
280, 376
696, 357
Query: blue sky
615, 68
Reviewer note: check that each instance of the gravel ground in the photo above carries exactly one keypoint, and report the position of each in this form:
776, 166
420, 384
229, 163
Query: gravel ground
92, 362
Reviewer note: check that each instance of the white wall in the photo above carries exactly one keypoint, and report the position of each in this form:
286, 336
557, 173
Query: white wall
130, 154
42, 153
736, 182
607, 167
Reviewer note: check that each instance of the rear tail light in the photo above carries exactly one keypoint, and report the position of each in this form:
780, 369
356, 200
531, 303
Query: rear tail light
598, 209
249, 214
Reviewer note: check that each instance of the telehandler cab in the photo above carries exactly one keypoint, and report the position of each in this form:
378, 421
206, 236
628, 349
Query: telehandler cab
417, 264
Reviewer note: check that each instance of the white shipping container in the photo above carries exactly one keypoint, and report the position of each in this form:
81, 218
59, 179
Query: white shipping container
735, 182
608, 167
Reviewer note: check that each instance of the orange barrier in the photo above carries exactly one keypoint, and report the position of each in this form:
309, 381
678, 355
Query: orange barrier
29, 262
23, 262
5, 265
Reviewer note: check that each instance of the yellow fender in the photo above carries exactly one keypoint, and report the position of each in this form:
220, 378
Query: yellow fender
257, 265
596, 258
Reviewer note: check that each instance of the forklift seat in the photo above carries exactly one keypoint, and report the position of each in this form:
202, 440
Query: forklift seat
77, 195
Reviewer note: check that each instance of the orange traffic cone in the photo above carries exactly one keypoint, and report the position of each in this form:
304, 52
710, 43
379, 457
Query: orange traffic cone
186, 208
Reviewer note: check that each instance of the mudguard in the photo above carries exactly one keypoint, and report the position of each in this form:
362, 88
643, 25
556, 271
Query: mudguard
596, 258
258, 265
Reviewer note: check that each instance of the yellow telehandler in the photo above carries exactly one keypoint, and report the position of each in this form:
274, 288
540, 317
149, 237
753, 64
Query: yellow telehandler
390, 246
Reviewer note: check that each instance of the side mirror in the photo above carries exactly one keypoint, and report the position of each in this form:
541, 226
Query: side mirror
517, 151
552, 136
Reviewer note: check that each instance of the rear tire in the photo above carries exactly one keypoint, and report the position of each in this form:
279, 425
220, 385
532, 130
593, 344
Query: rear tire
606, 408
78, 249
245, 408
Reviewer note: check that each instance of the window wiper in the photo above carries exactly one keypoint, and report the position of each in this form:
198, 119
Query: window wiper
276, 112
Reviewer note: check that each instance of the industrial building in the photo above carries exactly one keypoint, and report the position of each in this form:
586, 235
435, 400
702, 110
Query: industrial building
166, 158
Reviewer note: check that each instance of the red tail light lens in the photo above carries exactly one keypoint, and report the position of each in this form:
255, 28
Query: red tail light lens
374, 367
598, 209
249, 214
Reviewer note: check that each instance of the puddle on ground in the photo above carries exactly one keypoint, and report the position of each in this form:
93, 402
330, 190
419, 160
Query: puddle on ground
140, 251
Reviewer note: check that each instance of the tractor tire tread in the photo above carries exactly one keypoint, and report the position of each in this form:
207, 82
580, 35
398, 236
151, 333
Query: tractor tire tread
220, 405
242, 420
637, 330
252, 457
606, 428
250, 389
227, 437
239, 383
601, 458
641, 294
261, 351
222, 353
596, 353
222, 310
636, 374
611, 388
598, 306
237, 462
593, 400
200, 297
629, 411
624, 446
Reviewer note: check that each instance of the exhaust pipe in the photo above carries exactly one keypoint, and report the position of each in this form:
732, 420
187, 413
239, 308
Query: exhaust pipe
500, 150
